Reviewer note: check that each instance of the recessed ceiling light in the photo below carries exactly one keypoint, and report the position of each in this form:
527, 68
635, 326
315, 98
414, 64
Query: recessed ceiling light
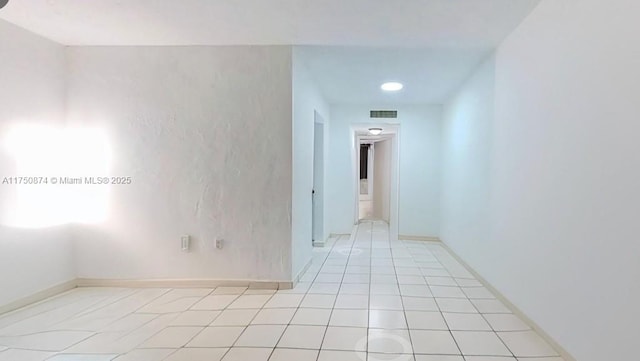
391, 86
375, 131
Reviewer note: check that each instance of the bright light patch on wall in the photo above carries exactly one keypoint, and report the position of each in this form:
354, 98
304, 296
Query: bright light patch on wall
53, 169
392, 86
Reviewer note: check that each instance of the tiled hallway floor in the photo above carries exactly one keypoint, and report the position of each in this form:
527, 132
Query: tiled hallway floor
363, 299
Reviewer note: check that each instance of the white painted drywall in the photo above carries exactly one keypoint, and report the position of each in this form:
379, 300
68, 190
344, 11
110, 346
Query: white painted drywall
306, 101
205, 134
318, 178
31, 92
382, 180
557, 166
419, 198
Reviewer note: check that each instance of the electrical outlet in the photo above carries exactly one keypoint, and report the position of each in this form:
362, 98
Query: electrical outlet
219, 243
185, 243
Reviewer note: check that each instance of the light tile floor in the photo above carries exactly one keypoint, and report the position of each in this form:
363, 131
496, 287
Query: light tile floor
364, 298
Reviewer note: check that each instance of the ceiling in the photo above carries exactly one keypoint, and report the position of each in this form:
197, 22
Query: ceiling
414, 23
350, 46
353, 75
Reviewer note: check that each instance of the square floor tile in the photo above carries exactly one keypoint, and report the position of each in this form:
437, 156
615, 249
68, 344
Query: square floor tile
198, 354
384, 279
311, 317
506, 322
480, 343
527, 344
349, 318
143, 354
235, 317
415, 290
345, 339
327, 355
434, 272
411, 280
492, 358
355, 279
229, 291
216, 337
172, 337
216, 302
441, 281
352, 302
274, 316
389, 341
389, 357
465, 282
478, 293
328, 278
260, 336
324, 288
419, 304
354, 289
490, 306
380, 289
284, 354
466, 322
332, 269
458, 305
419, 320
434, 342
284, 301
195, 318
447, 292
250, 301
408, 271
439, 358
247, 354
318, 301
386, 302
307, 337
387, 319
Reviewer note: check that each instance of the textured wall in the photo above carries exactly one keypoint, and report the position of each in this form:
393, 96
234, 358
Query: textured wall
205, 133
31, 92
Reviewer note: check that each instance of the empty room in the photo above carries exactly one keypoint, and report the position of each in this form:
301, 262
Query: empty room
319, 180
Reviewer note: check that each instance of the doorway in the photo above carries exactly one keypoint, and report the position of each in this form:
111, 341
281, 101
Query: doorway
317, 204
375, 172
365, 204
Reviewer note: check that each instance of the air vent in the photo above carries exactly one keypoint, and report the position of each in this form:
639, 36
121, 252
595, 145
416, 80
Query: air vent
384, 114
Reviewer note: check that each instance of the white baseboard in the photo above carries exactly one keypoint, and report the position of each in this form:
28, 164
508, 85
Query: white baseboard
39, 296
405, 237
296, 279
182, 283
516, 311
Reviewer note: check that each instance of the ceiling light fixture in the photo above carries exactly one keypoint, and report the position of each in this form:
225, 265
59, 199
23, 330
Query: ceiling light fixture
375, 131
391, 86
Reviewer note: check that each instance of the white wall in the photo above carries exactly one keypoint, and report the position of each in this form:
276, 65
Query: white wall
382, 180
419, 198
555, 166
31, 92
205, 134
306, 100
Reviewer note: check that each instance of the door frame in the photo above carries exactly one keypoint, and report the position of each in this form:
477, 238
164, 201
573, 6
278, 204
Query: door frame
317, 197
359, 132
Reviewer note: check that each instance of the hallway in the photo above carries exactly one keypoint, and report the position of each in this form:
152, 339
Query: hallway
412, 300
